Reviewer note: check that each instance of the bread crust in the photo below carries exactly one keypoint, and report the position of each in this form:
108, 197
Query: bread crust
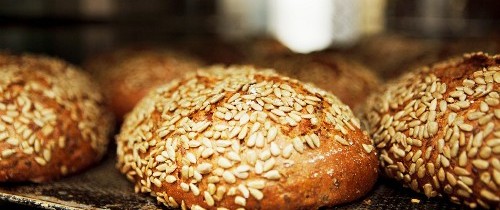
53, 119
126, 75
256, 159
437, 129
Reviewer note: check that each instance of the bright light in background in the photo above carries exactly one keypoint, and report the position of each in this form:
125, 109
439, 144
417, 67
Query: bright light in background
241, 18
302, 25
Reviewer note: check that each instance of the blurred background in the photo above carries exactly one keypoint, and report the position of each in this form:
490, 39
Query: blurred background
397, 32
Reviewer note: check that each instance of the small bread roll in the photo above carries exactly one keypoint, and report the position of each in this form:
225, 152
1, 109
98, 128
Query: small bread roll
234, 137
351, 82
437, 129
127, 75
52, 119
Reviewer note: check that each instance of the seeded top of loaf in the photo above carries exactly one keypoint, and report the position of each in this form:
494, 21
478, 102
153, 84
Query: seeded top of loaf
43, 103
231, 137
438, 129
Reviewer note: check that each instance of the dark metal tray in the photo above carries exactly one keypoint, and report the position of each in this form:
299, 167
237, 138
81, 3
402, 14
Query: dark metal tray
103, 187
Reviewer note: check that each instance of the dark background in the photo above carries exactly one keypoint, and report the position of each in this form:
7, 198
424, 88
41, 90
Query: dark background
74, 29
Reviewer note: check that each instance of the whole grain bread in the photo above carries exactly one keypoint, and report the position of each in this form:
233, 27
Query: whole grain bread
53, 120
239, 138
437, 129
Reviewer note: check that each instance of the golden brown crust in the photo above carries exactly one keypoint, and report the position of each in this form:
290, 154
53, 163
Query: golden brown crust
53, 120
351, 82
127, 75
438, 129
285, 145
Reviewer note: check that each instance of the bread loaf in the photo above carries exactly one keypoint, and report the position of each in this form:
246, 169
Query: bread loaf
240, 138
437, 129
52, 119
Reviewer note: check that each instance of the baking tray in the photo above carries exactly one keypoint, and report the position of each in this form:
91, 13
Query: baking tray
103, 187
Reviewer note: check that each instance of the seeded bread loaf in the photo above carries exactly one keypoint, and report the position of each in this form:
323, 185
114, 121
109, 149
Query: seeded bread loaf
234, 137
437, 129
351, 82
52, 119
126, 75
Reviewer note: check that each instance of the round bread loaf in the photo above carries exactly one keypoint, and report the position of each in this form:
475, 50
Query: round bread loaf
351, 82
52, 119
437, 129
127, 75
234, 137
